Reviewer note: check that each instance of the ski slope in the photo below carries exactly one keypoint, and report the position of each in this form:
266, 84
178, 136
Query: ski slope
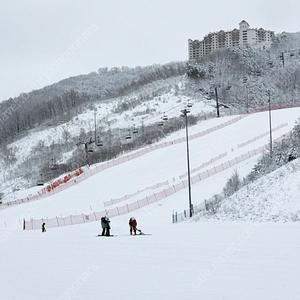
191, 260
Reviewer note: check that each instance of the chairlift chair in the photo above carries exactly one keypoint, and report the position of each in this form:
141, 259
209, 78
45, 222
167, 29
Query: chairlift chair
90, 148
40, 181
135, 130
128, 136
53, 167
189, 104
99, 142
165, 118
160, 123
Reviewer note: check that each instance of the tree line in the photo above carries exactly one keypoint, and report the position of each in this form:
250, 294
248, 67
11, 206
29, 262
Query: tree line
61, 101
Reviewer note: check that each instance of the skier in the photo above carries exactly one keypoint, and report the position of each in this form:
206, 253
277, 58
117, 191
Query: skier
43, 227
132, 225
105, 226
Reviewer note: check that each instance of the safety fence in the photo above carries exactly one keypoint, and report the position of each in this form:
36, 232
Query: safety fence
204, 165
62, 183
88, 172
126, 197
120, 210
210, 204
261, 135
206, 205
225, 153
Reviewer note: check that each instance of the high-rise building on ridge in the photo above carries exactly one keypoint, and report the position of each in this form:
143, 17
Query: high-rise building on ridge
227, 39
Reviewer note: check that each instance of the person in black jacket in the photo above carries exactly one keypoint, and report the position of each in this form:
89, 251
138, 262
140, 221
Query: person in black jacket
105, 226
43, 227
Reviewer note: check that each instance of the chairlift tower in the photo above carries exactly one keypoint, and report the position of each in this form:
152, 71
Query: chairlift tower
270, 123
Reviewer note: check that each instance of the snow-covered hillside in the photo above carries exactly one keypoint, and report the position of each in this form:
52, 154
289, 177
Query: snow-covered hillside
274, 197
216, 260
105, 116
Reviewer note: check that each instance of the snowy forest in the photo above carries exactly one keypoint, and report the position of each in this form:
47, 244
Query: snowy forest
245, 79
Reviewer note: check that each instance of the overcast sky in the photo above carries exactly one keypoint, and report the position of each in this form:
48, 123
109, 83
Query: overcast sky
42, 42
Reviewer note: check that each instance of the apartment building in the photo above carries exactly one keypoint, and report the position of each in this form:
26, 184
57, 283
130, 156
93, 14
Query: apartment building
227, 39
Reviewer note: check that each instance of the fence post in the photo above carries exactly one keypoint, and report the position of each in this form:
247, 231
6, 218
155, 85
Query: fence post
24, 224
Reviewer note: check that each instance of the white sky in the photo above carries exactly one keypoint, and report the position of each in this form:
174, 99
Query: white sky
37, 34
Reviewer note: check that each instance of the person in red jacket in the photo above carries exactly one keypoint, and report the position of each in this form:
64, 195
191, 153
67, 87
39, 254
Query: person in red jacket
132, 225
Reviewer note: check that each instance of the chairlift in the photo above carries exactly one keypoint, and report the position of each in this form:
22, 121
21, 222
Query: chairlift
99, 143
292, 54
165, 118
258, 73
128, 136
90, 148
245, 79
160, 123
134, 130
228, 87
40, 181
189, 104
53, 165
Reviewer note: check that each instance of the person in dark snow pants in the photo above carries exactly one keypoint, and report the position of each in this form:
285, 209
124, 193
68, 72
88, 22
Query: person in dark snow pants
132, 225
43, 227
105, 226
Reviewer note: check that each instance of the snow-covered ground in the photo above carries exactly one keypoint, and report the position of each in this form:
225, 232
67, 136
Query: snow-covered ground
211, 259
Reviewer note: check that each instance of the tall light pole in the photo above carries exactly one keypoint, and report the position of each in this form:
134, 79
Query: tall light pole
270, 123
184, 114
217, 102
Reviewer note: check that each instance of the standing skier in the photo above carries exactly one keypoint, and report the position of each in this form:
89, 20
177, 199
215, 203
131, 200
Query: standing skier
43, 227
105, 226
132, 225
